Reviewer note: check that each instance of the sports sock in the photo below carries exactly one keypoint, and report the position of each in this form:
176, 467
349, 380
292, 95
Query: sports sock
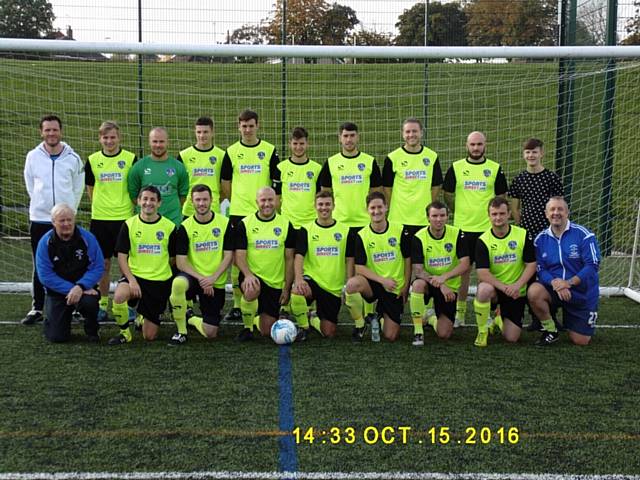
482, 310
315, 323
367, 307
104, 303
429, 305
299, 310
249, 310
197, 322
121, 316
416, 304
237, 293
256, 322
354, 304
178, 301
461, 308
433, 321
549, 325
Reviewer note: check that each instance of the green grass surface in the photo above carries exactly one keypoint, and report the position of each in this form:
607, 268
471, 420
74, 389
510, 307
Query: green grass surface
214, 405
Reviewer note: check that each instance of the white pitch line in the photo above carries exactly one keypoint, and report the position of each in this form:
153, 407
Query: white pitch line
231, 475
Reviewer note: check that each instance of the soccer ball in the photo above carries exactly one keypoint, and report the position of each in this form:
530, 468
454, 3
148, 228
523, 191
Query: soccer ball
283, 332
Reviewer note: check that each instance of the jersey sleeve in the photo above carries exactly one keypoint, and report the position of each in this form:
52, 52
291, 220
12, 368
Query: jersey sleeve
290, 241
436, 179
123, 245
417, 252
405, 245
449, 184
274, 173
172, 243
514, 189
462, 246
182, 241
89, 177
227, 241
179, 158
240, 241
529, 252
388, 176
134, 182
325, 175
350, 251
302, 242
501, 186
183, 180
226, 169
375, 180
360, 253
557, 189
482, 255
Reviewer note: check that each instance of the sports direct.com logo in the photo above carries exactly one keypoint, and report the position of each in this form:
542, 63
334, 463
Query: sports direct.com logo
267, 244
475, 185
415, 175
250, 169
438, 262
384, 257
350, 179
327, 251
203, 172
208, 246
109, 177
506, 258
149, 249
299, 187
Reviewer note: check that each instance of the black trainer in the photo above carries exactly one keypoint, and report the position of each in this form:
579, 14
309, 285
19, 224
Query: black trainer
357, 334
177, 340
233, 315
117, 340
547, 338
302, 335
33, 317
245, 335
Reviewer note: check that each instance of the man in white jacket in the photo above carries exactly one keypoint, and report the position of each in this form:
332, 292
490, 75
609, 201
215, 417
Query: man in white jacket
53, 173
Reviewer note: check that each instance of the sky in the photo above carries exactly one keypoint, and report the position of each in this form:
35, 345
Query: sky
193, 21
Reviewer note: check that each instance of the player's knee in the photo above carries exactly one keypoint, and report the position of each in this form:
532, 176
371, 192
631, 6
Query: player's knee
485, 292
179, 286
444, 333
149, 336
418, 286
535, 293
328, 329
580, 340
353, 285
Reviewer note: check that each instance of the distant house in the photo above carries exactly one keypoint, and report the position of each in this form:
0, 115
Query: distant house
91, 56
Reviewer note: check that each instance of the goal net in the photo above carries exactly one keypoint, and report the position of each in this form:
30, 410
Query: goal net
508, 99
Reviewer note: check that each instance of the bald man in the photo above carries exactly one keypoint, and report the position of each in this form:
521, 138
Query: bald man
70, 264
469, 186
162, 171
262, 241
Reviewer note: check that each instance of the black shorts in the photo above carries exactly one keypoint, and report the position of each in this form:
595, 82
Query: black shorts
211, 307
472, 238
269, 298
155, 294
328, 305
106, 232
388, 302
512, 309
440, 305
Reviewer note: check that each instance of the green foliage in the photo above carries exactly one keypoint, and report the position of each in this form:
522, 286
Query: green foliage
26, 18
633, 27
146, 407
445, 26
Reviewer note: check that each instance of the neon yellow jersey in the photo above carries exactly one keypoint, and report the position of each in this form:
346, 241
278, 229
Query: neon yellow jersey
474, 189
506, 255
206, 242
203, 166
266, 248
149, 248
299, 182
250, 173
411, 185
384, 256
350, 183
110, 199
325, 260
440, 254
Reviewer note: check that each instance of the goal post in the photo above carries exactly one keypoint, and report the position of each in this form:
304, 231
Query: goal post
510, 93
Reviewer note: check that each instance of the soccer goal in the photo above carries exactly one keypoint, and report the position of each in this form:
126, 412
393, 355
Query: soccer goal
581, 101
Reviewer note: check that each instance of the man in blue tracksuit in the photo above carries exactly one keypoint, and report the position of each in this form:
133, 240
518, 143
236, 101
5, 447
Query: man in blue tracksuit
568, 260
70, 264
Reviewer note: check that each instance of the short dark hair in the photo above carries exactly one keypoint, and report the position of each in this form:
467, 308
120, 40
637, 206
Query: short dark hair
438, 205
325, 194
497, 202
532, 143
247, 115
348, 126
375, 196
201, 187
204, 122
50, 118
299, 132
412, 120
152, 189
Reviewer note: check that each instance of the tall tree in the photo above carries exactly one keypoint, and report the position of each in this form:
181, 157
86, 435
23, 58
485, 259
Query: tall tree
371, 38
26, 18
311, 22
445, 26
501, 23
633, 27
248, 35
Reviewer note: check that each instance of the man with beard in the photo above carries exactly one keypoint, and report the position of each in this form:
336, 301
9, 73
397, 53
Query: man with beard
469, 185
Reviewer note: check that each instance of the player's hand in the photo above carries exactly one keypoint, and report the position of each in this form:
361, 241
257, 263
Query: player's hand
134, 289
389, 284
437, 281
208, 291
206, 282
447, 293
512, 290
91, 291
251, 285
404, 293
285, 296
559, 284
302, 287
564, 294
74, 295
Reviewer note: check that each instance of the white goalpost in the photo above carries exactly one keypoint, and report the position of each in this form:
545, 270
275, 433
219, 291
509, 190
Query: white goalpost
581, 101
